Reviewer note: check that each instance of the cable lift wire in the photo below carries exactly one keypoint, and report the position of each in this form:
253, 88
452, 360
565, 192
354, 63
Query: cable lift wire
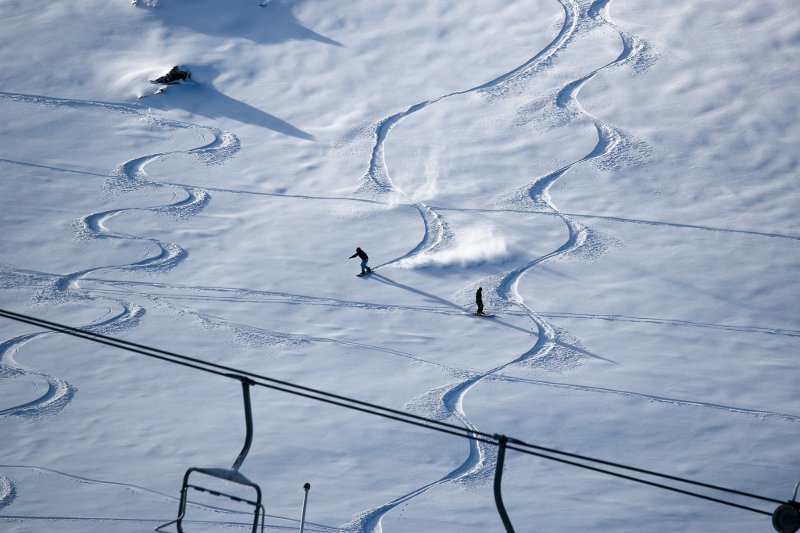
237, 374
510, 443
652, 483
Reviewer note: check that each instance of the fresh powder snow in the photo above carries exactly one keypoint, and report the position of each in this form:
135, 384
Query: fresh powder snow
619, 177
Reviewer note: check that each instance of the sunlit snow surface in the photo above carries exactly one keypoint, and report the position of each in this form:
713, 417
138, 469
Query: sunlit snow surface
619, 177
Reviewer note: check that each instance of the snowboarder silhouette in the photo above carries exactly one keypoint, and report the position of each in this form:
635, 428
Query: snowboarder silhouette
479, 300
364, 258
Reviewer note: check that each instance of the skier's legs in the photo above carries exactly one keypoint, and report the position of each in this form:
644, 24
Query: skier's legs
364, 267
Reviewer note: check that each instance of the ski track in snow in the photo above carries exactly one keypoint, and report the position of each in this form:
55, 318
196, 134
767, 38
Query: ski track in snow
376, 184
546, 352
8, 494
53, 289
438, 209
256, 336
11, 277
554, 349
757, 413
160, 256
259, 336
50, 401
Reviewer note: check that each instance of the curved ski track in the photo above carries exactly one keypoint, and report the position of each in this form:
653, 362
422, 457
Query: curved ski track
377, 187
57, 288
160, 255
377, 183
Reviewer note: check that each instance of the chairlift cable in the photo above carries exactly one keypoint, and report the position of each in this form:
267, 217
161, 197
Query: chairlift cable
638, 470
644, 481
386, 412
178, 358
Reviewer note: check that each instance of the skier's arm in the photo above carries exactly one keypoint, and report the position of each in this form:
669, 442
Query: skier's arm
352, 256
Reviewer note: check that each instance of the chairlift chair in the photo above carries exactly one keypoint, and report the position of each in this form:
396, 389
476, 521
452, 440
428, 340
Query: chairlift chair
231, 475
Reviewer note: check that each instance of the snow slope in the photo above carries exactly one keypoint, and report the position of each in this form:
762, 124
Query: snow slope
619, 177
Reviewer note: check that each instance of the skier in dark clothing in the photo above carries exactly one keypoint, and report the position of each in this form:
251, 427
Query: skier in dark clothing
479, 300
364, 258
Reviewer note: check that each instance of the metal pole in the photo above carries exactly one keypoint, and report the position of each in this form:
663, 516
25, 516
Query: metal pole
248, 419
306, 488
498, 477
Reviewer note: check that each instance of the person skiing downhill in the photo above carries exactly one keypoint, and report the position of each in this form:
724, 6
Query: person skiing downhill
479, 300
364, 258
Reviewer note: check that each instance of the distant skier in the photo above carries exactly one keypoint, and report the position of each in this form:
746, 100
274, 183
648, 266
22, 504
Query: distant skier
479, 300
364, 258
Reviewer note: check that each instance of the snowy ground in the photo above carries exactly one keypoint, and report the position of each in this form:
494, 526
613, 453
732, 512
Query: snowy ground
617, 176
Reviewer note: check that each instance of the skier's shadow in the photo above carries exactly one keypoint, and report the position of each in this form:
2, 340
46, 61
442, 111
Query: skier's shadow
433, 297
388, 281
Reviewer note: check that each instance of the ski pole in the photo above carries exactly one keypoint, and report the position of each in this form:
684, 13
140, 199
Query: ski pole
306, 488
